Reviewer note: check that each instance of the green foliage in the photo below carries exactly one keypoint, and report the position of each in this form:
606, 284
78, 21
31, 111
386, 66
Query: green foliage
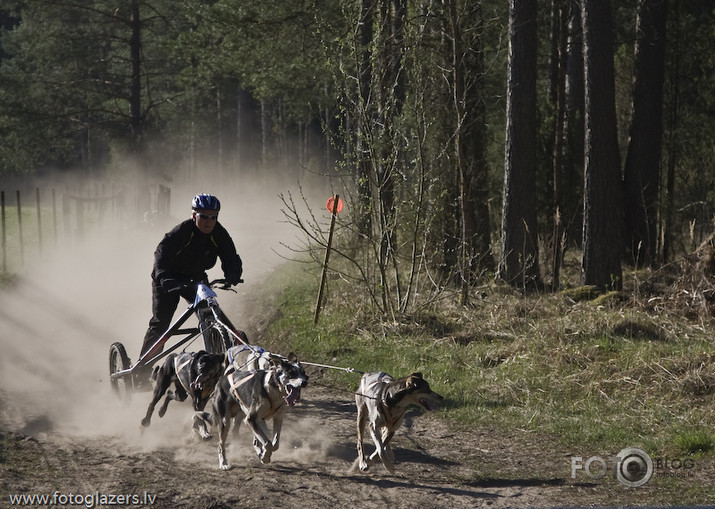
68, 77
273, 48
696, 441
65, 88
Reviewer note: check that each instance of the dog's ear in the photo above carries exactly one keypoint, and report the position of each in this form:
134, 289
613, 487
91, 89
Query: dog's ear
275, 360
292, 357
415, 379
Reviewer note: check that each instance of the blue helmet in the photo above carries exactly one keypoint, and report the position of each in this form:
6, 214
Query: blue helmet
206, 202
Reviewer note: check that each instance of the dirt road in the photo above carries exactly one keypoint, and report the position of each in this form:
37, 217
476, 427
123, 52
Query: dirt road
63, 433
436, 466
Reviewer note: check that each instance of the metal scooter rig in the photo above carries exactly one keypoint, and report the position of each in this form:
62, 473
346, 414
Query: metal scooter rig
206, 307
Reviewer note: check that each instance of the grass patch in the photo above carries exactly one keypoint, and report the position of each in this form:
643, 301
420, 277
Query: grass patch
699, 441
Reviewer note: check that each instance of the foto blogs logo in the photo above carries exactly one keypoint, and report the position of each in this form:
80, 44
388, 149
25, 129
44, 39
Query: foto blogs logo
633, 466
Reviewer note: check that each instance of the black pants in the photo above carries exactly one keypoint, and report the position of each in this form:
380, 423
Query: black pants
163, 305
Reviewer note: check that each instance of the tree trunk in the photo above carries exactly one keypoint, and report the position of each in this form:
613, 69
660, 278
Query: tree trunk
219, 130
265, 132
603, 218
391, 100
572, 202
135, 112
474, 137
469, 145
362, 148
642, 169
561, 13
672, 137
519, 264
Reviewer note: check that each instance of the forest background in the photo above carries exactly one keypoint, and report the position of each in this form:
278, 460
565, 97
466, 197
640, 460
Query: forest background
470, 138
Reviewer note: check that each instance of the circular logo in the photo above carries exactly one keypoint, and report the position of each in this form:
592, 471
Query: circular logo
635, 467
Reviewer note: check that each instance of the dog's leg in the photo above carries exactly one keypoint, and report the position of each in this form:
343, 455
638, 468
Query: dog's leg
199, 426
222, 411
387, 440
225, 409
277, 425
224, 426
267, 445
163, 381
258, 447
200, 420
362, 416
178, 395
237, 426
261, 443
387, 456
377, 438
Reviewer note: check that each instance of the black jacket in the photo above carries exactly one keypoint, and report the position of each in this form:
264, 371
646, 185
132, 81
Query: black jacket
186, 253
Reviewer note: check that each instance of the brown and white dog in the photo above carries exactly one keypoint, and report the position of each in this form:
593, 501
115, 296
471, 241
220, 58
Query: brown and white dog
193, 374
381, 403
254, 397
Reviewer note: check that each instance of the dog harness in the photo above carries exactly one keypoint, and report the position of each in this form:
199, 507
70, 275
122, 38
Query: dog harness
177, 369
231, 352
382, 378
381, 396
234, 389
235, 385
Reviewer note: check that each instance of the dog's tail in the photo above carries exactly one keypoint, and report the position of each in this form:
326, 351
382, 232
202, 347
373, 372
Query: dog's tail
155, 373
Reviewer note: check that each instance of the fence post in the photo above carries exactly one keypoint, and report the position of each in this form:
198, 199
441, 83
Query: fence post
79, 206
19, 229
67, 226
54, 214
39, 218
4, 236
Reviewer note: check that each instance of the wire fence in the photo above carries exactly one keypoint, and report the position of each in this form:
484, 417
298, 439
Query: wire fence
33, 221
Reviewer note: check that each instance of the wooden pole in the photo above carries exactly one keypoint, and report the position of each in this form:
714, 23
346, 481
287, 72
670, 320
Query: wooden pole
39, 218
66, 206
79, 207
327, 257
54, 214
19, 229
4, 233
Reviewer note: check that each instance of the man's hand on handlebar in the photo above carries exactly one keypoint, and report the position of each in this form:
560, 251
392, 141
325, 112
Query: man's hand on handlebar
233, 278
224, 284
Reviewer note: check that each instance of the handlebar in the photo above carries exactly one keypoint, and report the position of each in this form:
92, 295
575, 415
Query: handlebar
221, 284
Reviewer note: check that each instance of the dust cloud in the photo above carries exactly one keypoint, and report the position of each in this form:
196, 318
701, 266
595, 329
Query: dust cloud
79, 296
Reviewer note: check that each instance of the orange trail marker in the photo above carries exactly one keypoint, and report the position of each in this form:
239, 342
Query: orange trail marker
331, 204
334, 205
